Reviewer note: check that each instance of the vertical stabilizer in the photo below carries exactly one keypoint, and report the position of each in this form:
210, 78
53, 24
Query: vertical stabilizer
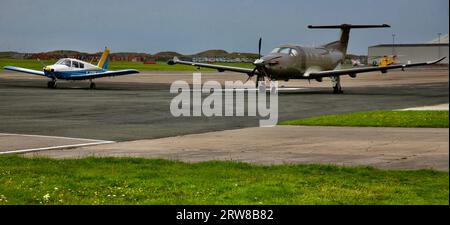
104, 59
342, 43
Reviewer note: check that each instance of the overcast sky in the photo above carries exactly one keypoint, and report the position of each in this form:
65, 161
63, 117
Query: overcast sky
190, 26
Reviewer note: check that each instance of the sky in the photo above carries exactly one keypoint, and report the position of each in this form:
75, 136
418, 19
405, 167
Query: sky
191, 26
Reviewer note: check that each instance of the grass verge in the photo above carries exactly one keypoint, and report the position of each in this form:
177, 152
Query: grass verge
379, 118
119, 65
145, 181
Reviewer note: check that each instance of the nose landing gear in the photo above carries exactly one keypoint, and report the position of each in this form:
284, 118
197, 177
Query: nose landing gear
336, 82
51, 84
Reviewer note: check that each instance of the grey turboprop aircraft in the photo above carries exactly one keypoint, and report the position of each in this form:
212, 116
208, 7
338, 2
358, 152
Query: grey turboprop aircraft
312, 63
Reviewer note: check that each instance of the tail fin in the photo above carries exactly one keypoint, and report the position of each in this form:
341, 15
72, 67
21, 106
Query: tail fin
342, 43
104, 59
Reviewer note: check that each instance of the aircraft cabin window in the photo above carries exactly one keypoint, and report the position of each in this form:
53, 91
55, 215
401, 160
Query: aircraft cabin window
75, 64
275, 50
81, 65
285, 50
293, 52
66, 62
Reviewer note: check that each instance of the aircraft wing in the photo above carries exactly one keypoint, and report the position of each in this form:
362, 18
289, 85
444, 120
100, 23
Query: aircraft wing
24, 70
103, 74
355, 71
219, 68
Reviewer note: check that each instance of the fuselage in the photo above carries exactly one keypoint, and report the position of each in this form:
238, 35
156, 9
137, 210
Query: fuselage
296, 62
70, 69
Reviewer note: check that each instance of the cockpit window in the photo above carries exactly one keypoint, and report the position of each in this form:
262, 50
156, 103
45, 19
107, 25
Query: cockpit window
65, 62
276, 50
285, 51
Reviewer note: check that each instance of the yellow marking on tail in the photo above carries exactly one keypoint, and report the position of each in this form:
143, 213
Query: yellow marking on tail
103, 57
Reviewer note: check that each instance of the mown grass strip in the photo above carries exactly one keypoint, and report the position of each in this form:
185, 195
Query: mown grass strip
379, 118
145, 181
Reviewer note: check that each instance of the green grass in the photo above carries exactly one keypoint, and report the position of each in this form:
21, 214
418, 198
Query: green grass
144, 181
379, 118
118, 65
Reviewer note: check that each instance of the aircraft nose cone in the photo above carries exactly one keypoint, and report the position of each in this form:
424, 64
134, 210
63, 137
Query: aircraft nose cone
268, 60
49, 69
258, 62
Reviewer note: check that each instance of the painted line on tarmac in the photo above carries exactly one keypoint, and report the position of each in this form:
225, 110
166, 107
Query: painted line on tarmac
254, 89
56, 147
91, 143
440, 107
46, 136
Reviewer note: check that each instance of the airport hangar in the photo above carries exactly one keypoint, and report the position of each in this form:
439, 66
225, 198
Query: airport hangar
410, 53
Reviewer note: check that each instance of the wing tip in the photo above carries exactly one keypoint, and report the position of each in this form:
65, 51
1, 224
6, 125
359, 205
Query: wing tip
173, 61
437, 61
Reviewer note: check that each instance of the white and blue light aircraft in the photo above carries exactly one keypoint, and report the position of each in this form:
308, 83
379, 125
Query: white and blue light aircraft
74, 69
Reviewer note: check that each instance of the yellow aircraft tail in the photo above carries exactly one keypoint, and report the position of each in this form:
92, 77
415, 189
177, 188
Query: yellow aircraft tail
104, 59
387, 61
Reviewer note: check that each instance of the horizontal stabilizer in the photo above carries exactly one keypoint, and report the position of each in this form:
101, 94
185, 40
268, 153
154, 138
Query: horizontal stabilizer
342, 43
348, 26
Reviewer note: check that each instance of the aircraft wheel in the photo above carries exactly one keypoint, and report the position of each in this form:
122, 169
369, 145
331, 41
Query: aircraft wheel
92, 86
337, 90
51, 84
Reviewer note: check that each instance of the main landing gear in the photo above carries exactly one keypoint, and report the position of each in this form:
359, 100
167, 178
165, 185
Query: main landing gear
51, 84
336, 82
91, 85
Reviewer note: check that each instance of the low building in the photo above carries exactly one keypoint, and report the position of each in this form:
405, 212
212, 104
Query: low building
411, 53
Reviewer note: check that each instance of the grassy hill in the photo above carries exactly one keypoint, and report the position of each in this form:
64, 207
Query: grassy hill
212, 53
160, 56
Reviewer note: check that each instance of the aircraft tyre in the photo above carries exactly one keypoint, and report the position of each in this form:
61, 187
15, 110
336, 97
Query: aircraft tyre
337, 90
51, 84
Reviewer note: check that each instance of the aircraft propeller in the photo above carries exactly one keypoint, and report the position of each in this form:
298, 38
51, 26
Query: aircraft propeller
42, 64
260, 66
46, 69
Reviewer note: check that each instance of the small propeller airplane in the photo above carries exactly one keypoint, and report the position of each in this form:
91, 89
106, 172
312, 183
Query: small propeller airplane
385, 60
74, 69
312, 63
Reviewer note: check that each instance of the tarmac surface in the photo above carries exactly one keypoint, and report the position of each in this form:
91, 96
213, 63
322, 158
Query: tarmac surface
135, 110
138, 106
387, 148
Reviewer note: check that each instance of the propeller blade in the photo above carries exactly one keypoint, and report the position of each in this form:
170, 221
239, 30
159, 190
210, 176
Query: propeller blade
257, 81
259, 48
253, 72
42, 64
